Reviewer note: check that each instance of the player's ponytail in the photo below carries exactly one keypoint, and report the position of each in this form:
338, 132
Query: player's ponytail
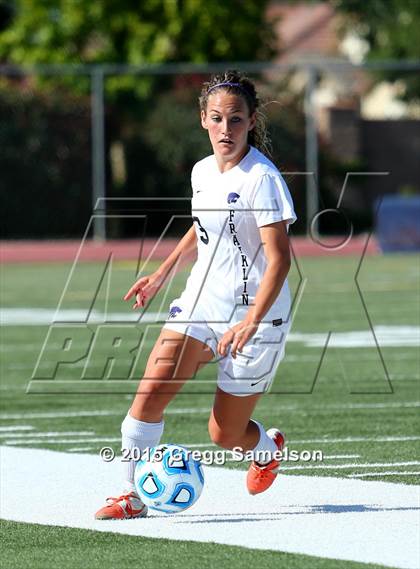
237, 83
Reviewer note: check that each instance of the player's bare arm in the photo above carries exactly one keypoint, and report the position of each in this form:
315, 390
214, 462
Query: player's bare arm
276, 247
146, 287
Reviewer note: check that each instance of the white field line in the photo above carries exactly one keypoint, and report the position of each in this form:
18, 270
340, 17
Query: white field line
387, 336
105, 413
23, 442
47, 316
16, 428
16, 441
357, 439
80, 449
57, 415
338, 456
350, 465
6, 348
199, 410
407, 378
48, 434
392, 336
388, 473
343, 406
20, 442
338, 518
24, 347
372, 405
133, 382
286, 361
347, 357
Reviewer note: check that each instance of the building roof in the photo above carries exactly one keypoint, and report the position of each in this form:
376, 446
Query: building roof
304, 30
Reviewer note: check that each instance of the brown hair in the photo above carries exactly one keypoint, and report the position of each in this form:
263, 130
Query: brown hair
237, 83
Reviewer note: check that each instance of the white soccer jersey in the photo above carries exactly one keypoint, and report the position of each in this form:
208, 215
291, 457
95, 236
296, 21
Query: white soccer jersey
228, 209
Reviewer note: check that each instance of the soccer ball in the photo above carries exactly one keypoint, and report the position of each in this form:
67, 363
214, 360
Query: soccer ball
169, 479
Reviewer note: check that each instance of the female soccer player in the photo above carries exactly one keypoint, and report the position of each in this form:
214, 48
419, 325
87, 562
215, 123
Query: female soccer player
236, 303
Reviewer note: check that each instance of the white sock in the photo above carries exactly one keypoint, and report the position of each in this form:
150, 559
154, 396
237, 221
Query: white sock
141, 435
265, 448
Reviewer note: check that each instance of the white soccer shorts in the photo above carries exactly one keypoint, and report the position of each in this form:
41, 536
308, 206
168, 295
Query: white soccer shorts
254, 369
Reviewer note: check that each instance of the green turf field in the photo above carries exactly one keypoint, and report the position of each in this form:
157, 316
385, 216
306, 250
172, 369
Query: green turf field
42, 547
358, 405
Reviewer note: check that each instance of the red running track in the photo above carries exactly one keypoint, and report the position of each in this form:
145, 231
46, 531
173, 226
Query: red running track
66, 251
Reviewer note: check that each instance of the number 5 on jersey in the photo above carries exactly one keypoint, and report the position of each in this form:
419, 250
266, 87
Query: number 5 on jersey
205, 238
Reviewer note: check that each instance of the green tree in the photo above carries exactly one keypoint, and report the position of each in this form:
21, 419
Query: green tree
141, 112
132, 32
390, 28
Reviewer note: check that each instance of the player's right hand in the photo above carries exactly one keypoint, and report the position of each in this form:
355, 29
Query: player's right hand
144, 288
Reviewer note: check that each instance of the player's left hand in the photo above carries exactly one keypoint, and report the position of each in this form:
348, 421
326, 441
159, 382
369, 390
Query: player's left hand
238, 336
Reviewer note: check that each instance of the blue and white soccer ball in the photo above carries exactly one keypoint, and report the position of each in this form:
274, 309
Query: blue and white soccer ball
169, 480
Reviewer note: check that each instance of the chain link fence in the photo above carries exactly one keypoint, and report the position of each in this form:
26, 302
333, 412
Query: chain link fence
78, 140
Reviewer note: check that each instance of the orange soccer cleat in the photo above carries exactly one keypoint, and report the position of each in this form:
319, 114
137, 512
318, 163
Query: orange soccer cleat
260, 477
122, 508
